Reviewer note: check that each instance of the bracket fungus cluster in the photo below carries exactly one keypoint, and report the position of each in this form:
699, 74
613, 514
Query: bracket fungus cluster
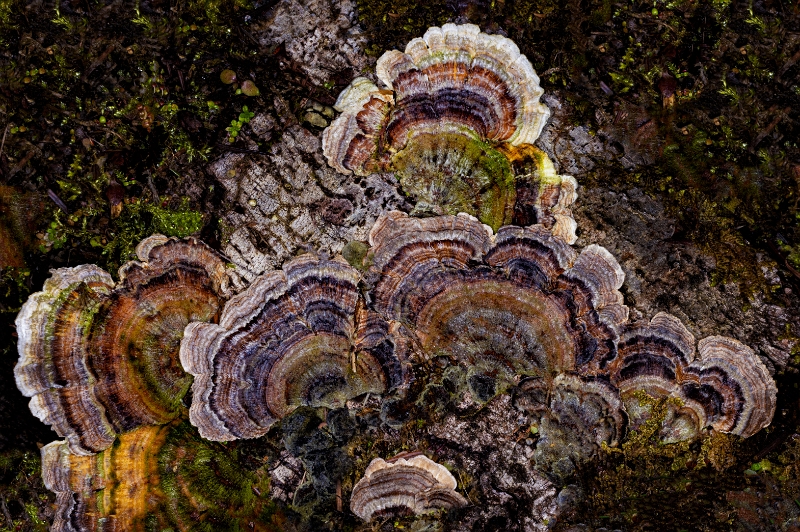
98, 359
458, 114
521, 302
519, 309
513, 309
719, 383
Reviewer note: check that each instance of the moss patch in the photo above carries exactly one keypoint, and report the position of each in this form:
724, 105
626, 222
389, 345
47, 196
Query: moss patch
456, 173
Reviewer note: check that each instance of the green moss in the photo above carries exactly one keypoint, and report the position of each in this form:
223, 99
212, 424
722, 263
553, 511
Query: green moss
14, 289
117, 241
399, 22
180, 222
236, 125
20, 480
140, 114
457, 173
354, 252
644, 474
203, 484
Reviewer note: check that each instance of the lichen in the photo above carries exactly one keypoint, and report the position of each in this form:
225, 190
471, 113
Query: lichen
452, 170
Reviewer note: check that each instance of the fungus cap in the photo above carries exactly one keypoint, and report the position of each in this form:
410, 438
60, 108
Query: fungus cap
453, 111
404, 486
299, 336
521, 302
98, 358
718, 382
155, 477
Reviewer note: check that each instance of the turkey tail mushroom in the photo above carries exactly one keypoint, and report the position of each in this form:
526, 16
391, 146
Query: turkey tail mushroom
404, 486
97, 358
457, 110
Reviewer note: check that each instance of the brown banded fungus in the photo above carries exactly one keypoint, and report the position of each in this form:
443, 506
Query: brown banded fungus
154, 478
404, 486
77, 480
521, 302
719, 384
459, 107
97, 358
300, 336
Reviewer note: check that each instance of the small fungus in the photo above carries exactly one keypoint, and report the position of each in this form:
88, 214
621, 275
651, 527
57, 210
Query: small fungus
667, 85
404, 486
227, 76
97, 358
249, 88
18, 214
115, 193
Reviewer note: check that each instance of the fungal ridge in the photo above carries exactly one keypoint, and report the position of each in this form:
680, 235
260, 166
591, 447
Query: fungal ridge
99, 358
299, 336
